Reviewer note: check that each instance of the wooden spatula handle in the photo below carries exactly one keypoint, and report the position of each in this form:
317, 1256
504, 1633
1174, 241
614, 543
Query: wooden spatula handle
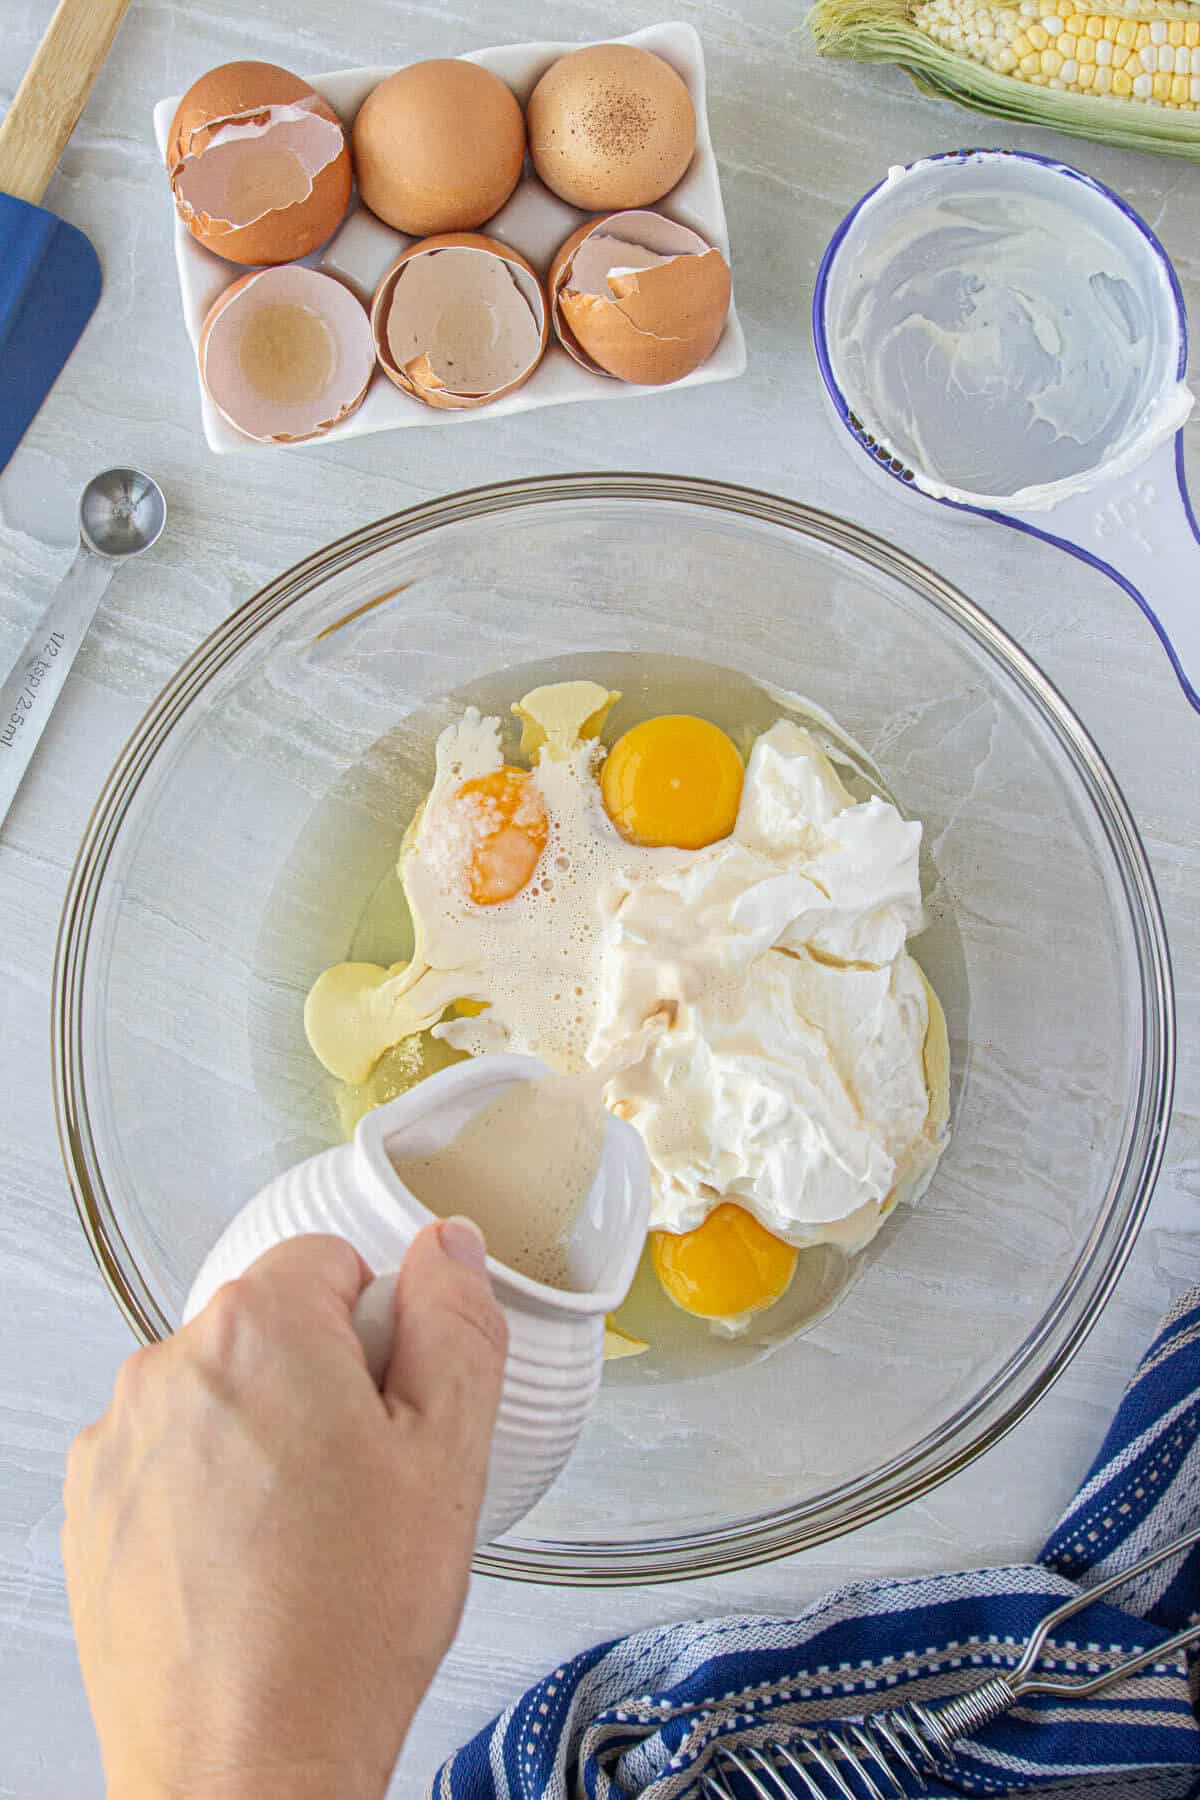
34, 132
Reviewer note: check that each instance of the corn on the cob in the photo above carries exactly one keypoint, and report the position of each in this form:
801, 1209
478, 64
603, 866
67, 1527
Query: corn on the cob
1139, 58
1128, 75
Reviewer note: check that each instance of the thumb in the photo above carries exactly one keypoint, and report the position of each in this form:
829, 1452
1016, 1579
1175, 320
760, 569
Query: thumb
450, 1339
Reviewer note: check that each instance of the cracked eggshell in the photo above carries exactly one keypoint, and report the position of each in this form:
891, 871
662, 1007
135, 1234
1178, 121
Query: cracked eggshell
648, 310
286, 353
258, 164
460, 303
438, 147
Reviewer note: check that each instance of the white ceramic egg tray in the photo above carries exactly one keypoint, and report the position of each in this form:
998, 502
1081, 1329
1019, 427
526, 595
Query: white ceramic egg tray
534, 221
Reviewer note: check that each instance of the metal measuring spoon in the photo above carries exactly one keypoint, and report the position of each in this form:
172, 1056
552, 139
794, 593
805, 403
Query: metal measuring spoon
121, 513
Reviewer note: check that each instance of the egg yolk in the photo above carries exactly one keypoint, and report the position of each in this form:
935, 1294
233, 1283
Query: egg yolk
675, 781
509, 828
729, 1265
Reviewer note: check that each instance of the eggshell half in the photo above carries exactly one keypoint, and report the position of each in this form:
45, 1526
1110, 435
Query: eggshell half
470, 301
611, 125
438, 147
286, 353
652, 324
258, 164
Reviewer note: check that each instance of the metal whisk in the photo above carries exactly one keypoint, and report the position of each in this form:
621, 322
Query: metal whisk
884, 1751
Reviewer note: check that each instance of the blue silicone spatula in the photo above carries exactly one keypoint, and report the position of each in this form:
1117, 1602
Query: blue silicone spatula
49, 272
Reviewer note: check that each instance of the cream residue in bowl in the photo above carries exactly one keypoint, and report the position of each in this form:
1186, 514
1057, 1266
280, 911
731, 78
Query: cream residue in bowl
1006, 333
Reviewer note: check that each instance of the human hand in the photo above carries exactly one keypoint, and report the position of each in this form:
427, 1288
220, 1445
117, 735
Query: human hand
266, 1557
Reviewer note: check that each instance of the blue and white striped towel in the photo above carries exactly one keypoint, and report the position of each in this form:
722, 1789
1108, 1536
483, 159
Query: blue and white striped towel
641, 1716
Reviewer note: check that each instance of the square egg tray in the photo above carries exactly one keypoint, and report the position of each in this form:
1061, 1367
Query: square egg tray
534, 221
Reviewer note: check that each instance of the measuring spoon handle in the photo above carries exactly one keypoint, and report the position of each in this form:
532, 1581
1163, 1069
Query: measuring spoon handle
29, 695
1140, 530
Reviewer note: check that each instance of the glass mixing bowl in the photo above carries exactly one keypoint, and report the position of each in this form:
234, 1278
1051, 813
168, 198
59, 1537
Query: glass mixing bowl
258, 807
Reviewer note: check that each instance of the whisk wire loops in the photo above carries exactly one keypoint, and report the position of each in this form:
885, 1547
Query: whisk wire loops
869, 1758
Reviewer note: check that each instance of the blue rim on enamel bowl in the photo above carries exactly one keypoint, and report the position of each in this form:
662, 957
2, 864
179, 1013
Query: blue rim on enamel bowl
974, 1426
885, 463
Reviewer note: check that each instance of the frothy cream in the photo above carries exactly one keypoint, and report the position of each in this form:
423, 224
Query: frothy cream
522, 1168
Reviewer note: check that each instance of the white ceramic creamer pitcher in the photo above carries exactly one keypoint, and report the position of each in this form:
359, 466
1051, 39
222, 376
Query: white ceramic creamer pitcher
556, 1339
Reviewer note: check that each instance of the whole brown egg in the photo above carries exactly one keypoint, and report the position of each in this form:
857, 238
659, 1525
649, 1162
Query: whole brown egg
438, 147
611, 127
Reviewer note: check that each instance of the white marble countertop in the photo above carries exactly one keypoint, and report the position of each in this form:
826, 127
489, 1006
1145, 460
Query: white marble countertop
798, 141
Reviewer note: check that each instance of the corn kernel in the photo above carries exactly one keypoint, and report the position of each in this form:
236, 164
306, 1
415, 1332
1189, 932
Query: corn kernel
1153, 58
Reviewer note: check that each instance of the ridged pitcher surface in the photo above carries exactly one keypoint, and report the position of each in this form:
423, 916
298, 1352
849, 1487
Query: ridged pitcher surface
556, 1340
